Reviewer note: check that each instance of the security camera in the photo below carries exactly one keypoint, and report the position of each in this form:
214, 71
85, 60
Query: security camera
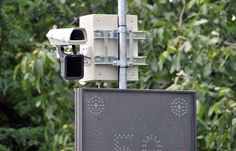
72, 65
67, 36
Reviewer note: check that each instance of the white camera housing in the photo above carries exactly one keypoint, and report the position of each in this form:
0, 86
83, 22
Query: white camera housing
67, 36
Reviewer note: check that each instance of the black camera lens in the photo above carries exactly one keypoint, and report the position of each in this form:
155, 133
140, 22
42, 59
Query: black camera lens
77, 34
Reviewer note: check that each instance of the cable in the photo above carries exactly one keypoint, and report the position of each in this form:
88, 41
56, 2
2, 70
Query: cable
74, 49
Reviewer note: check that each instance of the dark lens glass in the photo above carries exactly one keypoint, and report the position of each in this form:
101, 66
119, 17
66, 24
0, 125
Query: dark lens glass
77, 35
74, 66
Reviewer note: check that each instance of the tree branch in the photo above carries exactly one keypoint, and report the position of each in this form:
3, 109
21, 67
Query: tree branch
230, 44
182, 13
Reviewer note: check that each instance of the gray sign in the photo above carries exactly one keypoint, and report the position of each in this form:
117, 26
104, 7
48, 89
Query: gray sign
135, 120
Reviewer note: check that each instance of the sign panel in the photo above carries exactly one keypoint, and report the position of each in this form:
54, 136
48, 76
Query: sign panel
135, 120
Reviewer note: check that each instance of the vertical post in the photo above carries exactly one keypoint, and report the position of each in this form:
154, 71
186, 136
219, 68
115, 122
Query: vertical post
122, 44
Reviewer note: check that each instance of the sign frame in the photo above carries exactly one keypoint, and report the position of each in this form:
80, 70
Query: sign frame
79, 110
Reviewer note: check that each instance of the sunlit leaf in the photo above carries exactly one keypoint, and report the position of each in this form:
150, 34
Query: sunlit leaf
200, 22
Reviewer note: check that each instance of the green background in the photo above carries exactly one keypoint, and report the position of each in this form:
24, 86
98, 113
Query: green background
191, 45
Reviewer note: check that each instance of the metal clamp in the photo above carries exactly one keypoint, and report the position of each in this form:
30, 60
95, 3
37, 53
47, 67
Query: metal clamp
113, 34
113, 60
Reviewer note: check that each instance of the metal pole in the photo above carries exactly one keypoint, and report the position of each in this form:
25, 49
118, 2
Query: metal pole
122, 44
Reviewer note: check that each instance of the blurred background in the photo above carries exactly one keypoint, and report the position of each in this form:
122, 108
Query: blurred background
191, 45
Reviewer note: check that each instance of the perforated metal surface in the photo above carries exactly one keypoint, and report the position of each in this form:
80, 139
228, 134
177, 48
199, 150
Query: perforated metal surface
135, 120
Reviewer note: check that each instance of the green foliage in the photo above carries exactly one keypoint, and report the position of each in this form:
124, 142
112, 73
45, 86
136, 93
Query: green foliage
3, 148
190, 45
53, 95
23, 138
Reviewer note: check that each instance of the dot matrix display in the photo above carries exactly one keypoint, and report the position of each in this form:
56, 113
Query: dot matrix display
179, 107
95, 105
135, 120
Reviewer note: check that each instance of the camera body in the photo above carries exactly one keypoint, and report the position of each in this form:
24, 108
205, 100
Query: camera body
67, 36
72, 65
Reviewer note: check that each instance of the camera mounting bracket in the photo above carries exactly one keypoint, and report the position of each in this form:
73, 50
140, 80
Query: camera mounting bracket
113, 34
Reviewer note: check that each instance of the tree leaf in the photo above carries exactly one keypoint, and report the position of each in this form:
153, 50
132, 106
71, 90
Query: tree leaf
200, 22
186, 47
207, 69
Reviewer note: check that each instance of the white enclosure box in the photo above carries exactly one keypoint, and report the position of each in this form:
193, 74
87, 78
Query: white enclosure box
106, 47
